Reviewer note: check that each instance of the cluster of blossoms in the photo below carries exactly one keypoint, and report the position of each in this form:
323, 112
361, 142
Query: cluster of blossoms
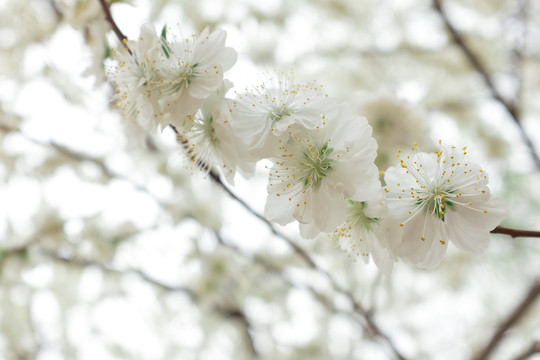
323, 173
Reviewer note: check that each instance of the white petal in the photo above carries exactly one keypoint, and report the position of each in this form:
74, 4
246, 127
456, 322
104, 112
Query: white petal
412, 248
381, 256
438, 247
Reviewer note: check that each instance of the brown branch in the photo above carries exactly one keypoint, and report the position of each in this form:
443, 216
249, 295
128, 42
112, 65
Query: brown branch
533, 349
518, 50
510, 321
365, 321
238, 315
515, 232
477, 65
108, 16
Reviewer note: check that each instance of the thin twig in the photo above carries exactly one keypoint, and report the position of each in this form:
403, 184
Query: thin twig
324, 300
510, 321
533, 349
475, 62
519, 48
238, 315
234, 313
81, 157
515, 232
107, 10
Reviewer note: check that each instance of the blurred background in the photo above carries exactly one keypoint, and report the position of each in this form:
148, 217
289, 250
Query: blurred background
111, 248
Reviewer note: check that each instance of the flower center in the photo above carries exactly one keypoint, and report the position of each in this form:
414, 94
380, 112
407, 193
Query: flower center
278, 114
435, 200
317, 163
186, 73
357, 217
207, 128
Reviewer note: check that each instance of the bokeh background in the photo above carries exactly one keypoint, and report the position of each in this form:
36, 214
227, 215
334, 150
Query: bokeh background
112, 248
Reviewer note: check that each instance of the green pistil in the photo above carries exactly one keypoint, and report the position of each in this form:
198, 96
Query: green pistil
208, 129
435, 202
317, 163
357, 216
185, 76
280, 114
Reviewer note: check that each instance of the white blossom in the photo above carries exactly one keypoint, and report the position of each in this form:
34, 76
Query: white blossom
396, 124
264, 114
132, 76
212, 142
190, 71
367, 232
437, 198
161, 82
317, 170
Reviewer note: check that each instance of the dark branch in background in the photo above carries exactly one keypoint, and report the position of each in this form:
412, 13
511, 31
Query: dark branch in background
515, 232
518, 50
474, 60
78, 156
533, 349
56, 9
510, 321
107, 10
228, 312
272, 268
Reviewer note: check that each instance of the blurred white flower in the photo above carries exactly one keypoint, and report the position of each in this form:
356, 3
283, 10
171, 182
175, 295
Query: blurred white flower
440, 197
366, 232
211, 141
396, 124
79, 13
264, 115
317, 170
161, 82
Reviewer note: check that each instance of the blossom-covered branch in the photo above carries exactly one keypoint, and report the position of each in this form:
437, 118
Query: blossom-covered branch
533, 349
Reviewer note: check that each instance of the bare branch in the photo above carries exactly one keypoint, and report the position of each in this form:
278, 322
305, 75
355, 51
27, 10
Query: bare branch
233, 313
81, 157
477, 65
518, 50
533, 349
510, 321
515, 232
107, 10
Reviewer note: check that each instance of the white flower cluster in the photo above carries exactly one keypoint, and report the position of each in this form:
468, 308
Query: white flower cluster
323, 174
